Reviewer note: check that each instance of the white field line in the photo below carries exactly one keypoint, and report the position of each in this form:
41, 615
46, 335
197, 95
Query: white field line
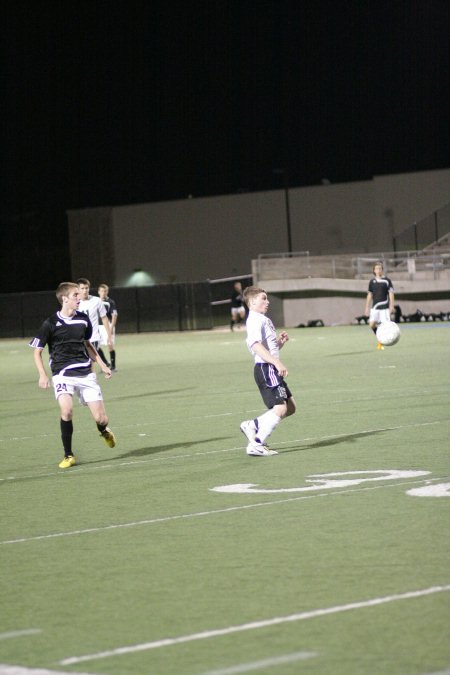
254, 625
213, 512
135, 425
19, 633
74, 471
264, 663
19, 670
244, 413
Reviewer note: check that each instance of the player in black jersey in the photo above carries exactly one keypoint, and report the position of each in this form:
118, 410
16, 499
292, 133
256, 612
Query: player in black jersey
380, 299
112, 316
67, 335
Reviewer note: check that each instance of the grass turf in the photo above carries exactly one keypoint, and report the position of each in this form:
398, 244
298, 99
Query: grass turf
133, 547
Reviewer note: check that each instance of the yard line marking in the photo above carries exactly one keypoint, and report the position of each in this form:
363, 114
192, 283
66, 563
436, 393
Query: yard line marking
313, 439
19, 633
254, 625
19, 670
137, 425
199, 514
265, 663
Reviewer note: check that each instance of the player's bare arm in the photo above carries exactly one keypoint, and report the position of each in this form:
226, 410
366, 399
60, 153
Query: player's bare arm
391, 302
44, 382
264, 353
96, 358
107, 326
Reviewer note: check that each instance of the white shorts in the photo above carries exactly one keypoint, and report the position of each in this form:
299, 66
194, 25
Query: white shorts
379, 315
238, 311
87, 387
104, 336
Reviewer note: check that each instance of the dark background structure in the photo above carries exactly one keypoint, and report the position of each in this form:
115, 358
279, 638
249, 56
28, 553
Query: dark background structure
107, 103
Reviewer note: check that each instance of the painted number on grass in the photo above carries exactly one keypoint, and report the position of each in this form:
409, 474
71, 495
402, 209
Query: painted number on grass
439, 490
325, 481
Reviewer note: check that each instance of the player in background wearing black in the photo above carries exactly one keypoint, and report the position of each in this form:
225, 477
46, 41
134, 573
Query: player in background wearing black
237, 306
67, 335
380, 299
112, 316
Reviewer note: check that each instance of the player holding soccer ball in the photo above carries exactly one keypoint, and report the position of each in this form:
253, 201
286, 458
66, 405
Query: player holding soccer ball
380, 299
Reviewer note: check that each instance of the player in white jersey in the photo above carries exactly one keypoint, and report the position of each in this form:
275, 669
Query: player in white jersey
269, 372
96, 311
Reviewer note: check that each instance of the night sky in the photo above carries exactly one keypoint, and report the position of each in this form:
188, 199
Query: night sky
118, 102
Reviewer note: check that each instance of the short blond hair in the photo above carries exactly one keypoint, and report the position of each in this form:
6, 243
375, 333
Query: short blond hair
251, 292
64, 288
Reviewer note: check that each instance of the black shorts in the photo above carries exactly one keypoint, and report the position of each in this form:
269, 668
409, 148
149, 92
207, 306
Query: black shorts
273, 388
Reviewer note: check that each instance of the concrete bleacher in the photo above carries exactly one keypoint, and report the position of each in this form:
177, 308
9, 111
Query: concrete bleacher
306, 288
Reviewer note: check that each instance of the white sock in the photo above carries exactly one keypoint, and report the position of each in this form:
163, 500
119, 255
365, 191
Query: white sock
266, 424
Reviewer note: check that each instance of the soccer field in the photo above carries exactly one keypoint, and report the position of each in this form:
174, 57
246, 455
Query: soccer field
176, 553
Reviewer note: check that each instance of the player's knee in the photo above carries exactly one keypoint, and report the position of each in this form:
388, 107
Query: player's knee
100, 417
280, 409
291, 407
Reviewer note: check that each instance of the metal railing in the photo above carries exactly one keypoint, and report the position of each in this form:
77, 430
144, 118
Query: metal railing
426, 232
402, 264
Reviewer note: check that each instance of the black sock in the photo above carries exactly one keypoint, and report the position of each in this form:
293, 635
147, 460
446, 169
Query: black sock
101, 427
66, 436
112, 356
102, 355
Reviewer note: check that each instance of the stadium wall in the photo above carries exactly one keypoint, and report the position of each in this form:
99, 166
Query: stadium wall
340, 301
211, 237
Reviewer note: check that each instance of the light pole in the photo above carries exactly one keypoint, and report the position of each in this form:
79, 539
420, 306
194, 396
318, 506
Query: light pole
284, 173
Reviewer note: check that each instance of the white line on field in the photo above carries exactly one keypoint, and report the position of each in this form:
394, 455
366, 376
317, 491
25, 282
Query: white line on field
74, 471
18, 670
135, 425
265, 623
264, 663
199, 514
19, 633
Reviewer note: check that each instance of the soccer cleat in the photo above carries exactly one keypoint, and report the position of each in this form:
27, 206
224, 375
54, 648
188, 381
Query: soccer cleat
109, 437
259, 450
248, 428
67, 462
380, 346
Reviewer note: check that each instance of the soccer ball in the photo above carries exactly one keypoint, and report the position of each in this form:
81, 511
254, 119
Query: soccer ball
388, 333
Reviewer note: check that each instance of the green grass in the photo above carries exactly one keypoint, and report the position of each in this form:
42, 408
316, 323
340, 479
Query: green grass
144, 550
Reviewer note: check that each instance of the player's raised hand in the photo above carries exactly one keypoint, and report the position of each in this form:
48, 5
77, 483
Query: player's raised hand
282, 338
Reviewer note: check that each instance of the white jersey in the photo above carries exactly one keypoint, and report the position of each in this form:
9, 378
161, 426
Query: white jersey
95, 309
261, 329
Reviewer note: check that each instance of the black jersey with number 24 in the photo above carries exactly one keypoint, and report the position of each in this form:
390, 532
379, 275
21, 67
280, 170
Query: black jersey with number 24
65, 337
